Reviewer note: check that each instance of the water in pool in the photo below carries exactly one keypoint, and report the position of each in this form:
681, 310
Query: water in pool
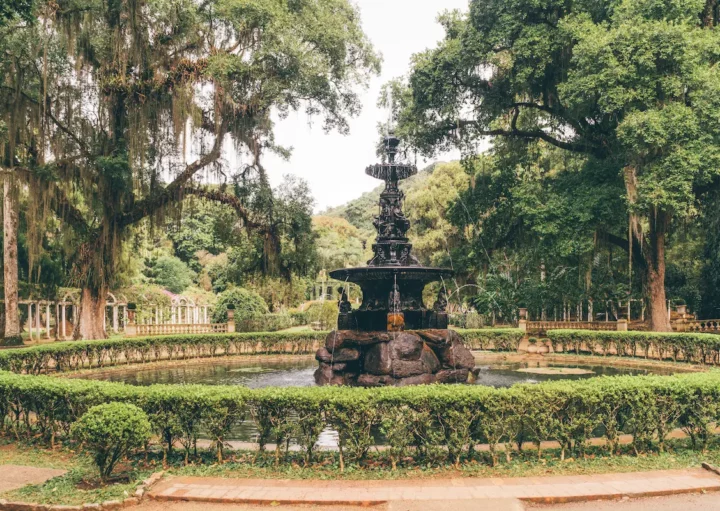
299, 373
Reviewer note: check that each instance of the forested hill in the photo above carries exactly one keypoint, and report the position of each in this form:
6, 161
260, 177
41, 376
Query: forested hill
361, 211
346, 233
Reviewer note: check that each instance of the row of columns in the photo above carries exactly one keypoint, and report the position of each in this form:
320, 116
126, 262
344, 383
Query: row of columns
180, 314
188, 315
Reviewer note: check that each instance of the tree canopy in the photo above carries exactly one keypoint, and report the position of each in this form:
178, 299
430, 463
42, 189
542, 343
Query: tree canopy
628, 86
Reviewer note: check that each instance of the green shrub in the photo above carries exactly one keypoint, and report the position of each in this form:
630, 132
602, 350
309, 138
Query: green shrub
690, 347
500, 339
248, 304
323, 312
13, 340
432, 424
112, 430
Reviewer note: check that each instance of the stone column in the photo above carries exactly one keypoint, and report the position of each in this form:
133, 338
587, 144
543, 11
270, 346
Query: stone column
63, 306
47, 320
30, 321
622, 325
37, 319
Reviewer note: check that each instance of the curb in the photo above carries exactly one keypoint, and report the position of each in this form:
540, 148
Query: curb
617, 496
107, 505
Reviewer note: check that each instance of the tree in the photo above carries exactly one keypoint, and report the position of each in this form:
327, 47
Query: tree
170, 273
631, 86
117, 97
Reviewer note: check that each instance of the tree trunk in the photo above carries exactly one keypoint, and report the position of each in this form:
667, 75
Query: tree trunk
10, 253
91, 315
654, 252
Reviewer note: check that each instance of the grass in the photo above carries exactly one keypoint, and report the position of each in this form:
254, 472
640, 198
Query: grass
526, 464
78, 486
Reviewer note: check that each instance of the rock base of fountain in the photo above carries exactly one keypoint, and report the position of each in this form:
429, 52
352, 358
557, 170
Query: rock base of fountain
413, 357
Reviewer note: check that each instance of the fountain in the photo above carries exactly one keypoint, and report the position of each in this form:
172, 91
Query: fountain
392, 338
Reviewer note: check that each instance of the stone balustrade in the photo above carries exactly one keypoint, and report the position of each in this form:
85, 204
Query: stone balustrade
176, 328
541, 327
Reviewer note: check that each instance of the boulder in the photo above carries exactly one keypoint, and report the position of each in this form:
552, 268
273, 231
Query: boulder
352, 339
452, 376
323, 355
406, 346
456, 356
436, 337
345, 355
373, 380
429, 359
324, 375
377, 359
405, 368
422, 379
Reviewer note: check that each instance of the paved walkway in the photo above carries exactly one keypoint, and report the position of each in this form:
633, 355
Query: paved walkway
17, 476
529, 489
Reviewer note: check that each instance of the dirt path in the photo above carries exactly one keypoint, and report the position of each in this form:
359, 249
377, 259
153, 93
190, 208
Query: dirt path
17, 476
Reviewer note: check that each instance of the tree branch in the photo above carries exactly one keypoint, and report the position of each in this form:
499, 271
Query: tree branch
228, 200
174, 190
576, 147
638, 254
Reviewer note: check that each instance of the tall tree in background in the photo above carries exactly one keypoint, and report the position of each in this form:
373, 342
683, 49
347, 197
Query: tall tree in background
118, 96
633, 86
19, 11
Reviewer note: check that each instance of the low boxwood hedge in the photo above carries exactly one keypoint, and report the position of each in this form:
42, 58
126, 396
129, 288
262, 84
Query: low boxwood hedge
430, 423
689, 347
74, 355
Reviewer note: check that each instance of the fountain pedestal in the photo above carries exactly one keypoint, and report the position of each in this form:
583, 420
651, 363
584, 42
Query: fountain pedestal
410, 357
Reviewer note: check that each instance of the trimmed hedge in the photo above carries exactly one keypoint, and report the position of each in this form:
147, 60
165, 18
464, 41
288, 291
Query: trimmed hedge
500, 339
689, 347
433, 423
74, 355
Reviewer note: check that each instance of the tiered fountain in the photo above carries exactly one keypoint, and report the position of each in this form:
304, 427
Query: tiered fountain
392, 339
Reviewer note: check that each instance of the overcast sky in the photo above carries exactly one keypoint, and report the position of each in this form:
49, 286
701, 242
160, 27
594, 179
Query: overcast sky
333, 164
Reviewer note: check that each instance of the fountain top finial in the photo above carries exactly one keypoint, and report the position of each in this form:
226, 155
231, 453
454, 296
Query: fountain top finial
391, 171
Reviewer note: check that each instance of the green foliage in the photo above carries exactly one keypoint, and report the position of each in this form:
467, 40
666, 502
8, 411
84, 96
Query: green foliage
170, 272
112, 430
438, 421
324, 312
689, 347
619, 93
248, 305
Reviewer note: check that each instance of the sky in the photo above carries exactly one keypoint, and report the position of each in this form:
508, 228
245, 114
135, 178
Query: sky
334, 164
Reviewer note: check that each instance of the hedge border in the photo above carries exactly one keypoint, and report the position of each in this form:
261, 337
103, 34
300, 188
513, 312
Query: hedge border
76, 355
689, 347
433, 422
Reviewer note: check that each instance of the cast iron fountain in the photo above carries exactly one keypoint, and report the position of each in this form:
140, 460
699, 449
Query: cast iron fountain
392, 338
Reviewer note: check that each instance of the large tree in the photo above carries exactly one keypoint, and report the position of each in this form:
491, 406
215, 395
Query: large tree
131, 102
633, 86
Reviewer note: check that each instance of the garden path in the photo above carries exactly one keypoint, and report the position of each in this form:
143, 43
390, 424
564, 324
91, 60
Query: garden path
528, 489
17, 476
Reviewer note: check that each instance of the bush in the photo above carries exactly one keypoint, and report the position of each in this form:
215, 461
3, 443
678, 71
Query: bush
499, 339
170, 273
468, 320
438, 423
324, 312
112, 430
14, 340
74, 355
248, 304
690, 347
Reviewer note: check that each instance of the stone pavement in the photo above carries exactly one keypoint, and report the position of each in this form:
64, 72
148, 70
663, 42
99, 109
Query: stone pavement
366, 493
17, 476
